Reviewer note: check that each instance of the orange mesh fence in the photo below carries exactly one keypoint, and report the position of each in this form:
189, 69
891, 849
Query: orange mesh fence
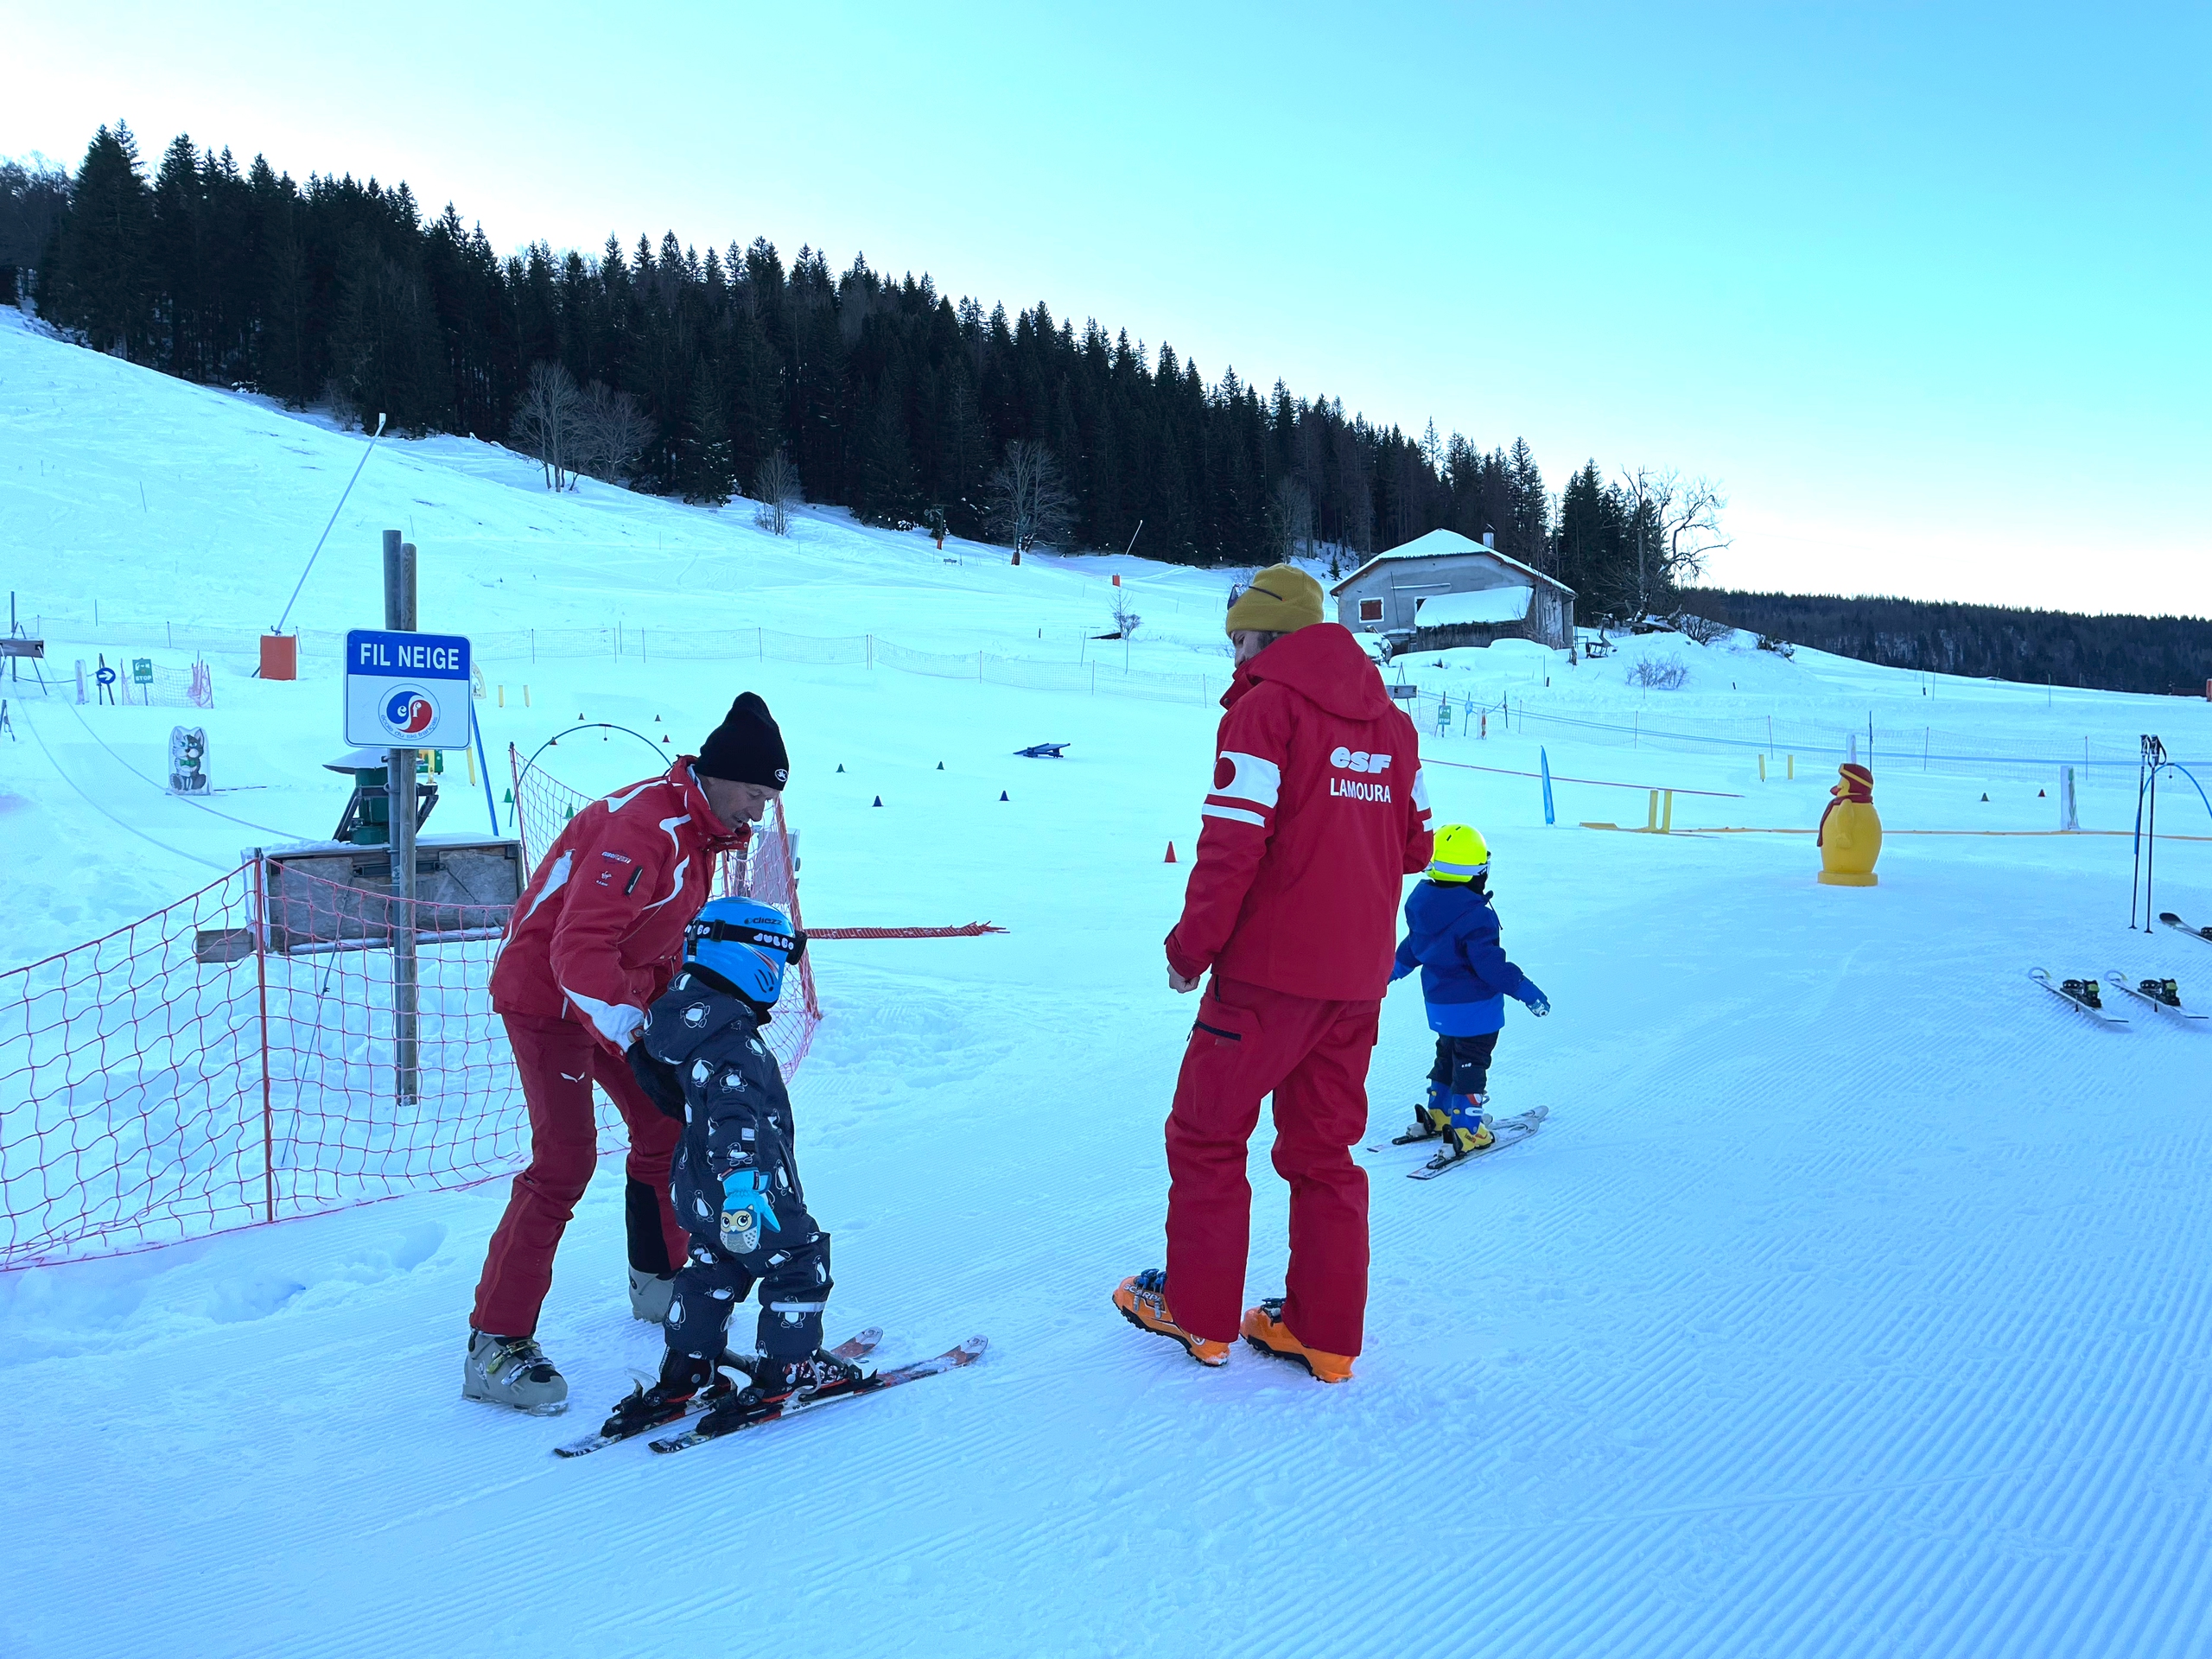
251, 1052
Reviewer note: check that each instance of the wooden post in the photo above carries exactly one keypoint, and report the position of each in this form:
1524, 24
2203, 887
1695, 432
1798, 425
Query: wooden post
406, 992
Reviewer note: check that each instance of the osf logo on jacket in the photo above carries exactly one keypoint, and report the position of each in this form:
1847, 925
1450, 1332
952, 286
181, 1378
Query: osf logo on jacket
1317, 814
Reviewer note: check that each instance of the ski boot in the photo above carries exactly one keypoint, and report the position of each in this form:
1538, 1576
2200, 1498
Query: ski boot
1142, 1298
513, 1372
650, 1295
1431, 1118
778, 1381
1470, 1125
2162, 990
682, 1377
1264, 1329
2084, 990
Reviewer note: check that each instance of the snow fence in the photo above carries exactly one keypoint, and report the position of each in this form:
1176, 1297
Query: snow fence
232, 1059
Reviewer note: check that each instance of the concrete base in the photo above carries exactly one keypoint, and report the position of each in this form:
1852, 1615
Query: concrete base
1841, 878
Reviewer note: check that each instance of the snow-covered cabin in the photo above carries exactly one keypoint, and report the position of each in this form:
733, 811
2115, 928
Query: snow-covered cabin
1443, 582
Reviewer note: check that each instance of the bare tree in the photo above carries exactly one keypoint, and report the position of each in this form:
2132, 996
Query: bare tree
547, 420
1126, 621
775, 490
611, 434
1290, 518
1676, 525
1026, 505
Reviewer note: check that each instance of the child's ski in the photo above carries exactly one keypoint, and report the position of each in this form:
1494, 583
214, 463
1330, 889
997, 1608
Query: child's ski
2180, 927
2082, 993
859, 1347
1507, 1131
2161, 993
966, 1354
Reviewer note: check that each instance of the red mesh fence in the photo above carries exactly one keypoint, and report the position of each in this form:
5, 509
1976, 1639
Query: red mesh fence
270, 1046
245, 1054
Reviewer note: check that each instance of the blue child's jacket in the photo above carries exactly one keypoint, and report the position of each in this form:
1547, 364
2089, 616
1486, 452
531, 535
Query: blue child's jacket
1451, 937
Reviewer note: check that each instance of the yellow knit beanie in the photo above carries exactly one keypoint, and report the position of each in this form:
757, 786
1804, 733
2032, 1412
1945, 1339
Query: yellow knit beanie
1283, 598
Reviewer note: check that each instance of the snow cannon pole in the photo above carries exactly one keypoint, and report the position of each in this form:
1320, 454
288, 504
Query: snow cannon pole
1544, 761
325, 537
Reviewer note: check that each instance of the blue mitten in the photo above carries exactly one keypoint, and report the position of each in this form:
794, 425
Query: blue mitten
746, 1210
1539, 1004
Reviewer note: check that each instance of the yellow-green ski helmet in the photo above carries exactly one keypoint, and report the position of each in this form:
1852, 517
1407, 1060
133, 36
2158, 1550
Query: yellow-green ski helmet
1461, 853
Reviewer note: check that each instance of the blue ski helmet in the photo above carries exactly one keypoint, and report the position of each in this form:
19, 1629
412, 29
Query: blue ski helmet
747, 942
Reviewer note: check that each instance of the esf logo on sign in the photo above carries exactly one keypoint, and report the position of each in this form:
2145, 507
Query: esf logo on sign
409, 712
407, 690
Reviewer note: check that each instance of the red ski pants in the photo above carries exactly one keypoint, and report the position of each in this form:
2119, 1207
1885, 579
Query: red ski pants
1313, 1056
558, 1061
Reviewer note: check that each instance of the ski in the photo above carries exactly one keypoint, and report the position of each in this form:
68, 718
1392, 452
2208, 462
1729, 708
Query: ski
2081, 999
859, 1347
2180, 927
952, 1359
2141, 992
1508, 1131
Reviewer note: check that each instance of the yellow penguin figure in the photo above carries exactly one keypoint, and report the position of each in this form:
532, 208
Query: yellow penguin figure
1851, 831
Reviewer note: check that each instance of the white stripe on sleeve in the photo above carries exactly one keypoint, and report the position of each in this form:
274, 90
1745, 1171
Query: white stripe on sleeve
1236, 812
1254, 778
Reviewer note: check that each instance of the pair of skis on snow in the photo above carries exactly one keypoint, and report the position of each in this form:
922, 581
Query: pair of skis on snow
2087, 994
1506, 1131
853, 1348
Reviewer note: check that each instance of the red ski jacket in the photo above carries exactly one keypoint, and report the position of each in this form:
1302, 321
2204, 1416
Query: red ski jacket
599, 931
1317, 813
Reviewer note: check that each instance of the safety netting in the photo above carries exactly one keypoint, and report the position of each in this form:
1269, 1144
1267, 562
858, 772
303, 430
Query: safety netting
279, 1043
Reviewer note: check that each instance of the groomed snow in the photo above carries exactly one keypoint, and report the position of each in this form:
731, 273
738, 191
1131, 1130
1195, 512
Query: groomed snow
1853, 1302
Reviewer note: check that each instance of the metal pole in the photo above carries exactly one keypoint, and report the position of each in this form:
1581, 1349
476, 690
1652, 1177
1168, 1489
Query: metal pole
2157, 756
399, 617
261, 989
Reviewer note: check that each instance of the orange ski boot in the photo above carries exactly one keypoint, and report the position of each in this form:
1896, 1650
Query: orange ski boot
1264, 1329
1142, 1298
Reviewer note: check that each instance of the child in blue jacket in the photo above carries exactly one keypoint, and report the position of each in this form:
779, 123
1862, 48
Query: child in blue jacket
1451, 937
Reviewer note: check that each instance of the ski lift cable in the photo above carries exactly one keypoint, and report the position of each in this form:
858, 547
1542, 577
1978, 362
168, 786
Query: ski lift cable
177, 852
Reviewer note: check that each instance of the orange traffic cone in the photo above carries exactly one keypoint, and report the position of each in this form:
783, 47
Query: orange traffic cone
1170, 858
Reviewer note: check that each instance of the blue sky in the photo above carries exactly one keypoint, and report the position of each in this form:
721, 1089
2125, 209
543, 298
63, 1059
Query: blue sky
1925, 287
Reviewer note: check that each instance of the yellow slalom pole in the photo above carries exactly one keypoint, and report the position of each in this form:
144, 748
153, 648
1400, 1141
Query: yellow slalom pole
1762, 768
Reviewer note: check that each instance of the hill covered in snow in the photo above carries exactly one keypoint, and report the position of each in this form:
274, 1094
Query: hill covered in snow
1849, 1303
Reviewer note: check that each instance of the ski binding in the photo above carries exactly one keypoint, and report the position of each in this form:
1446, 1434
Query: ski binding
859, 1347
2082, 994
1507, 1130
2161, 993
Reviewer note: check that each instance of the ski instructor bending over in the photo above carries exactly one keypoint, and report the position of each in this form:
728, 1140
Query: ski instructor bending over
1316, 816
597, 936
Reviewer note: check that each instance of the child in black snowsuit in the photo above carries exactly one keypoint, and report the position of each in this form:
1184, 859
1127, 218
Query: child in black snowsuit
736, 1176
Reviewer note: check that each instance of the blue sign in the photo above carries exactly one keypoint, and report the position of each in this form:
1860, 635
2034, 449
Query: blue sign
406, 690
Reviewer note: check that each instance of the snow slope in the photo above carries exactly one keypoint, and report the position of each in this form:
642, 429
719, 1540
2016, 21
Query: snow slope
1854, 1301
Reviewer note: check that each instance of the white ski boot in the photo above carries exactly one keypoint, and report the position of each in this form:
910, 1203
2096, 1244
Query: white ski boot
513, 1372
650, 1295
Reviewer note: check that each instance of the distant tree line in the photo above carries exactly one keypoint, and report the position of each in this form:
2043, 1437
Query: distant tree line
708, 375
2155, 654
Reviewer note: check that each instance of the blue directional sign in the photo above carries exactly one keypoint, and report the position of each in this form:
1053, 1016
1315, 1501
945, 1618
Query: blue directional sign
406, 690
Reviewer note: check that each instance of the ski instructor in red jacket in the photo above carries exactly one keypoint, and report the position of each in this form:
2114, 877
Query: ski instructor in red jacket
1316, 816
597, 935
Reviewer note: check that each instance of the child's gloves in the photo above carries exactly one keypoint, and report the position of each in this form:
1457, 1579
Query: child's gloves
658, 1079
746, 1210
1539, 1004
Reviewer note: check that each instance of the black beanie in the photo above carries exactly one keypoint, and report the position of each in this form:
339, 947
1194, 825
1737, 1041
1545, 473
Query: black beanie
746, 747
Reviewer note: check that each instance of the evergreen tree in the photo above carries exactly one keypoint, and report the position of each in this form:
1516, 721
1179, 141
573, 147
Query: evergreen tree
98, 280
